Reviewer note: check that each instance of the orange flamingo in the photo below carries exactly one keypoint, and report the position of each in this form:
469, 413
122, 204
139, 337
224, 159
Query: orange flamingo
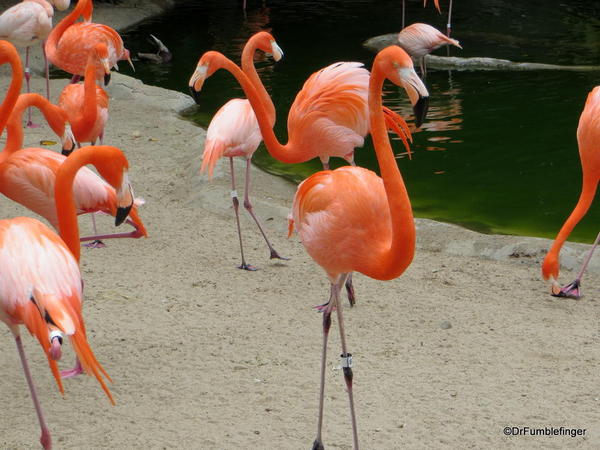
328, 117
28, 175
69, 43
40, 283
86, 104
420, 39
350, 219
234, 131
588, 137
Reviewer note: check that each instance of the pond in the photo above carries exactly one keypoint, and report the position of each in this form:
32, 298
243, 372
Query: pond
498, 152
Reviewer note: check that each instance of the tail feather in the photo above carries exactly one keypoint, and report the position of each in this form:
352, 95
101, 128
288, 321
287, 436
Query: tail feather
213, 150
398, 125
88, 361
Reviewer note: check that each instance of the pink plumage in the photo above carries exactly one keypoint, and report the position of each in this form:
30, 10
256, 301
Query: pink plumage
27, 22
420, 39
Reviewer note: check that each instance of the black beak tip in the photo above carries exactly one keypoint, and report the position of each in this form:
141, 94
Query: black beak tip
195, 95
66, 151
121, 215
106, 79
420, 110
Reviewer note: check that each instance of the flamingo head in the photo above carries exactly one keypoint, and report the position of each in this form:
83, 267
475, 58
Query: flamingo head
100, 52
59, 123
61, 5
207, 65
56, 340
550, 271
398, 67
67, 141
125, 199
127, 57
266, 42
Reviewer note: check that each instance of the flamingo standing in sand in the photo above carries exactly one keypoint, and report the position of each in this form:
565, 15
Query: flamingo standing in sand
420, 39
234, 131
69, 43
328, 117
40, 283
28, 175
350, 219
27, 23
86, 104
588, 138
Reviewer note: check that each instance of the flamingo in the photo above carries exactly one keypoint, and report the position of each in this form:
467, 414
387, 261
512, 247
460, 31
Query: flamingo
41, 284
86, 104
420, 39
328, 117
588, 137
28, 176
69, 43
349, 219
234, 131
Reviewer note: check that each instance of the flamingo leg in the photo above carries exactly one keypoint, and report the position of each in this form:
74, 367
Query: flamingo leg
75, 79
236, 207
572, 290
45, 438
248, 207
46, 70
97, 243
449, 24
30, 124
77, 370
346, 365
350, 290
318, 443
403, 8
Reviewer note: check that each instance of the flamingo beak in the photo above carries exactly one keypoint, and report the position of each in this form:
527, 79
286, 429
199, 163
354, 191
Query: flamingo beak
68, 141
106, 66
420, 110
56, 340
276, 51
125, 200
197, 80
417, 93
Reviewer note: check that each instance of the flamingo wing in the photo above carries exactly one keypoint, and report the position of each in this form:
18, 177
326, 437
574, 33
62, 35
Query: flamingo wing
329, 116
233, 131
72, 99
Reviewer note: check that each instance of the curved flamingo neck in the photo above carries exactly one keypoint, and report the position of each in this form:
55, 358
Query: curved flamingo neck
249, 69
392, 262
10, 56
283, 153
83, 8
588, 192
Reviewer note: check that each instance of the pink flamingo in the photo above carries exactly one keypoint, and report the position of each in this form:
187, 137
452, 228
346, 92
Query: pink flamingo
234, 131
41, 285
329, 117
588, 138
350, 219
420, 39
28, 175
69, 43
86, 104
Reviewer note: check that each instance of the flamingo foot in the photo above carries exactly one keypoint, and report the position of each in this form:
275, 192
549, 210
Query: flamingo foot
275, 255
95, 244
323, 307
572, 290
245, 266
45, 439
77, 370
318, 445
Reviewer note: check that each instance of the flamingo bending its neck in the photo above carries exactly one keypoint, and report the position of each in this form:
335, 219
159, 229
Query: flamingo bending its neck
234, 131
86, 104
69, 43
588, 138
28, 176
40, 283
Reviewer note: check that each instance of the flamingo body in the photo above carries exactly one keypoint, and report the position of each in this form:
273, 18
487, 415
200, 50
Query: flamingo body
27, 22
233, 131
72, 100
343, 209
420, 39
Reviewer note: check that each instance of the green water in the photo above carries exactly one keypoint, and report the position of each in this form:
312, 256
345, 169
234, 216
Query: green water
498, 152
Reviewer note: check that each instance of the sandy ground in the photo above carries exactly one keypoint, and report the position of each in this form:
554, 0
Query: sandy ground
206, 356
